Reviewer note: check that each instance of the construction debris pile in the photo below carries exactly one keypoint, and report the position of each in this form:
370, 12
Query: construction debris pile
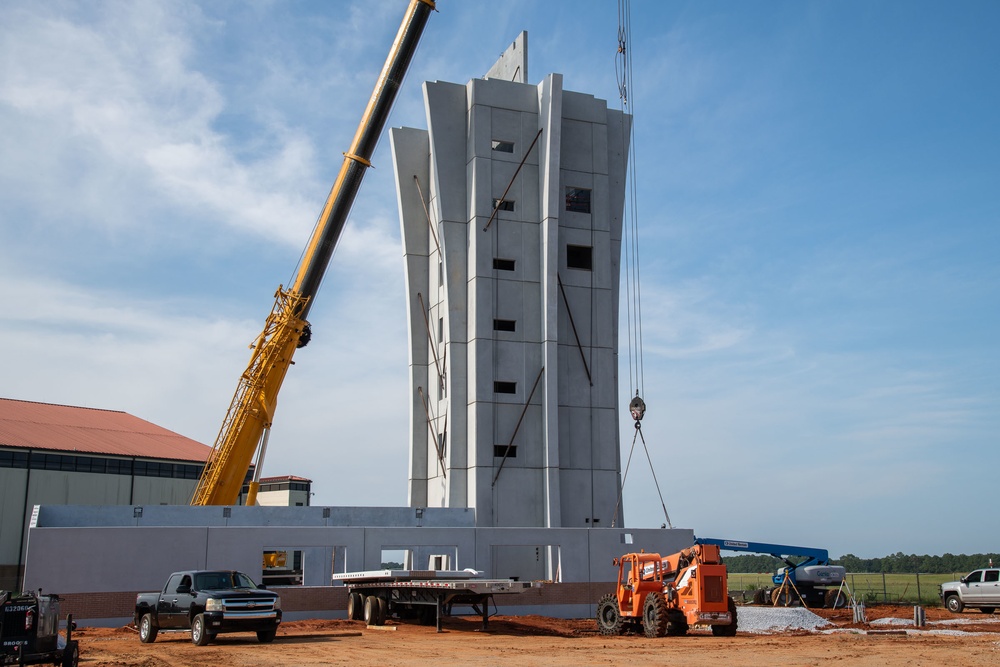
772, 620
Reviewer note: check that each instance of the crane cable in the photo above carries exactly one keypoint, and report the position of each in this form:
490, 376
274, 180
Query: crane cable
633, 299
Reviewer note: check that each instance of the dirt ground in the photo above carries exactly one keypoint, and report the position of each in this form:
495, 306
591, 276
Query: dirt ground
536, 640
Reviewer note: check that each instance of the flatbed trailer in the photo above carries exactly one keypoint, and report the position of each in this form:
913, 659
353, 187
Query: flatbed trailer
425, 595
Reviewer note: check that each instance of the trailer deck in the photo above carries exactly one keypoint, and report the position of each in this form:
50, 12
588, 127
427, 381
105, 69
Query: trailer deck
427, 595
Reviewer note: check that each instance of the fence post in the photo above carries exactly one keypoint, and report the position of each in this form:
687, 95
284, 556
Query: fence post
885, 593
920, 600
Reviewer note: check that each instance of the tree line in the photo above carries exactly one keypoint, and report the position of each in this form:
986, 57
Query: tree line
898, 563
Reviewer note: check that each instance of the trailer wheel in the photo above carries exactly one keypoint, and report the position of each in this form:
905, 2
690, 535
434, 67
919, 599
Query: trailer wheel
147, 629
383, 611
355, 606
727, 630
199, 637
373, 609
654, 615
71, 654
609, 621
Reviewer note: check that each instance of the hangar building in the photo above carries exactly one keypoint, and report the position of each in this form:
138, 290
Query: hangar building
64, 455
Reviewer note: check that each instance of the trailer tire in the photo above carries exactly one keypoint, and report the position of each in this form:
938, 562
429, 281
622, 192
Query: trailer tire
383, 611
373, 611
727, 630
609, 621
71, 654
654, 615
199, 636
147, 629
355, 606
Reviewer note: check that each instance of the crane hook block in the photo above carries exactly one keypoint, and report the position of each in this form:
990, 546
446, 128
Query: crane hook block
638, 408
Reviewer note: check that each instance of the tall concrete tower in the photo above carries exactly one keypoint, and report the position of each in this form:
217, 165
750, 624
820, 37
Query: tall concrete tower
511, 206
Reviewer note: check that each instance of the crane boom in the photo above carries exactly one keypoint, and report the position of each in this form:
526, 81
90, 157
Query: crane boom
248, 420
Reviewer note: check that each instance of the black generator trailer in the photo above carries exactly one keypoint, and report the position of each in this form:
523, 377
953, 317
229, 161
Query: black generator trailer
29, 631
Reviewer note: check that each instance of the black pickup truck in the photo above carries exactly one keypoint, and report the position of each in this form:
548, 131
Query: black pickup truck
208, 602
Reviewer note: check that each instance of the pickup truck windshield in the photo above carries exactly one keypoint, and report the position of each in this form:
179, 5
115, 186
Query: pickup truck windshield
215, 581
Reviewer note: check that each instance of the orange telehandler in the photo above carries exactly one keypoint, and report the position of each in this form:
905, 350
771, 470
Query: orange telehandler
666, 595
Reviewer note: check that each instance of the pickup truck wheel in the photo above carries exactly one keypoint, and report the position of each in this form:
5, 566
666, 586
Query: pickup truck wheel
199, 637
266, 636
954, 604
147, 629
986, 610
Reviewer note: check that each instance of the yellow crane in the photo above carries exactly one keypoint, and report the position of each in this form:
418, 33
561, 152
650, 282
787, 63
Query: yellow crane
248, 421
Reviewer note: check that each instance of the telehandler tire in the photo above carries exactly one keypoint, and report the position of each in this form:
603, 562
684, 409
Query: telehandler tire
727, 630
654, 615
609, 621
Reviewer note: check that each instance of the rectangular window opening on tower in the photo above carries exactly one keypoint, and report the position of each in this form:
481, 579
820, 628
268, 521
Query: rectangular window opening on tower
500, 451
503, 146
504, 387
580, 257
505, 325
503, 264
578, 200
503, 204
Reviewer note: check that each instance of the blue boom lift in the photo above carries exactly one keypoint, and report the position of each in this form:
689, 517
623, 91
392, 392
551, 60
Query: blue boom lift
818, 583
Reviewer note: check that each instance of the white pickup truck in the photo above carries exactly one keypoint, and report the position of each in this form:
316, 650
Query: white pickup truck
980, 588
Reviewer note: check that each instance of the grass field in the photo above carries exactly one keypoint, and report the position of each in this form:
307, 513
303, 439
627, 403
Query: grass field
870, 588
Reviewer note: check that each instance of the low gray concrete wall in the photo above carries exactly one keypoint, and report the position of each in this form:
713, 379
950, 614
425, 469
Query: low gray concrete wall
109, 554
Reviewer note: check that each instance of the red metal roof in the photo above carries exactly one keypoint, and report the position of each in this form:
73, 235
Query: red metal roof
65, 428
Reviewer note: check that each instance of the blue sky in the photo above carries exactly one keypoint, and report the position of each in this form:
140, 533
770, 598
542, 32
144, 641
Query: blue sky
818, 203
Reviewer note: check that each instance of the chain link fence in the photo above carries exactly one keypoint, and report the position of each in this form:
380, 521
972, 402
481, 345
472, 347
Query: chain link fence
870, 588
